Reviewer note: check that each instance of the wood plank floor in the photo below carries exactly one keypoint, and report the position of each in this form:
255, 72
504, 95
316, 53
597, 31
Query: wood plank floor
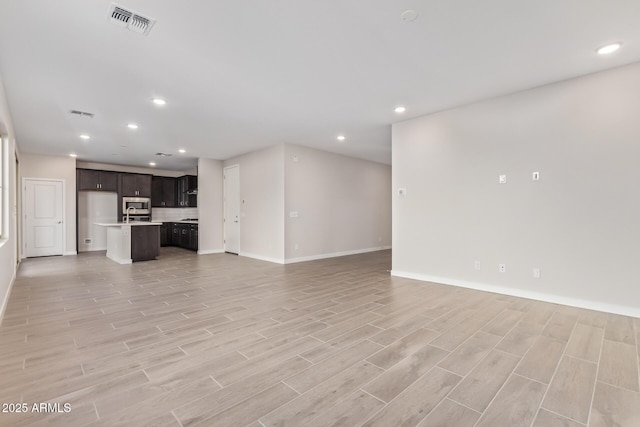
221, 340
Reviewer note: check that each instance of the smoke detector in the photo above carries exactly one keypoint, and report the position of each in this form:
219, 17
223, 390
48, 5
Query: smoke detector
129, 19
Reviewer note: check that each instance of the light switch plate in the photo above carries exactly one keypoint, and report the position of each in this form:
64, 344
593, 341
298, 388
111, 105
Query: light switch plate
502, 179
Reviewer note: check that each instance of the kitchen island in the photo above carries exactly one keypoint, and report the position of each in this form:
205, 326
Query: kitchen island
132, 241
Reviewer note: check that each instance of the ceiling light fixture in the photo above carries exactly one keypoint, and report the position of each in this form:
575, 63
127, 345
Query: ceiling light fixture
159, 101
73, 155
610, 48
341, 137
132, 126
182, 150
152, 163
400, 109
85, 136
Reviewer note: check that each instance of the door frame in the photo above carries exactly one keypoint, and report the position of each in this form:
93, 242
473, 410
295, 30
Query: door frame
224, 206
18, 207
24, 212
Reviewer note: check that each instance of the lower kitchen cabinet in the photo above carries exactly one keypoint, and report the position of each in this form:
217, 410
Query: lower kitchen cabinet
182, 235
145, 243
165, 234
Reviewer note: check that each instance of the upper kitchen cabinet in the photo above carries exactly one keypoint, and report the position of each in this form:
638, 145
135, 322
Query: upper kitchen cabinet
188, 191
89, 179
135, 185
163, 192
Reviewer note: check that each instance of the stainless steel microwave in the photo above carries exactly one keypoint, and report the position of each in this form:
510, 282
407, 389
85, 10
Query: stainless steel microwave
140, 205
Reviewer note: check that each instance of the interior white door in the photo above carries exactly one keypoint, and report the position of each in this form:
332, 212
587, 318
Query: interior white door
232, 209
44, 221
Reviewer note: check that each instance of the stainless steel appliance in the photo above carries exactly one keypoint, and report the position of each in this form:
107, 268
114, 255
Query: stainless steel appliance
139, 205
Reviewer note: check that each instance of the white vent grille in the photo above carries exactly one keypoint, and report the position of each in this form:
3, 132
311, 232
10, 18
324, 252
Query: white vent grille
82, 113
129, 19
120, 16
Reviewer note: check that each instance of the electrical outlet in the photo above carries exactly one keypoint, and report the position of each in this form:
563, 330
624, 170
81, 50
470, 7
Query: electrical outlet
477, 265
502, 268
293, 214
536, 273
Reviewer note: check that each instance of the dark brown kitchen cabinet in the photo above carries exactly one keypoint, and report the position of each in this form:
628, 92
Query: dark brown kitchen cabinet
165, 234
187, 187
135, 185
97, 180
145, 242
182, 235
174, 239
163, 192
193, 237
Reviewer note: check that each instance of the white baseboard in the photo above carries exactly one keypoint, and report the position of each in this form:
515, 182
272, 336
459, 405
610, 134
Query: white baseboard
5, 301
262, 258
66, 253
210, 251
335, 254
524, 293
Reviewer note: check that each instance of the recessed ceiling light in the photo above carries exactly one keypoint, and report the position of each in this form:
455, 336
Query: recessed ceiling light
341, 137
182, 150
400, 109
73, 155
132, 126
152, 163
85, 136
159, 101
610, 48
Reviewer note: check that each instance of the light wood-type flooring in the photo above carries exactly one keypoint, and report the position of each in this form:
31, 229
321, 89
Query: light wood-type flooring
221, 340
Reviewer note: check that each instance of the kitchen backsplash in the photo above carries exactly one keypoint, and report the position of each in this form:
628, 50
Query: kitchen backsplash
173, 214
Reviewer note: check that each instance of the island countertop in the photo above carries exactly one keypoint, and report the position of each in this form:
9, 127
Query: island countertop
134, 223
130, 241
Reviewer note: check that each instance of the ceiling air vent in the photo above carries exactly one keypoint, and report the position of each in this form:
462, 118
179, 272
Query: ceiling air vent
82, 113
129, 19
164, 154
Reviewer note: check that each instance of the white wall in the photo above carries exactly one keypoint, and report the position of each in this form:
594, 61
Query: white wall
8, 242
343, 204
55, 167
210, 207
261, 203
579, 224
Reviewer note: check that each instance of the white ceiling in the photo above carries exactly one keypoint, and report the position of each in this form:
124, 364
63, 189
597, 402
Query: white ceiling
241, 75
